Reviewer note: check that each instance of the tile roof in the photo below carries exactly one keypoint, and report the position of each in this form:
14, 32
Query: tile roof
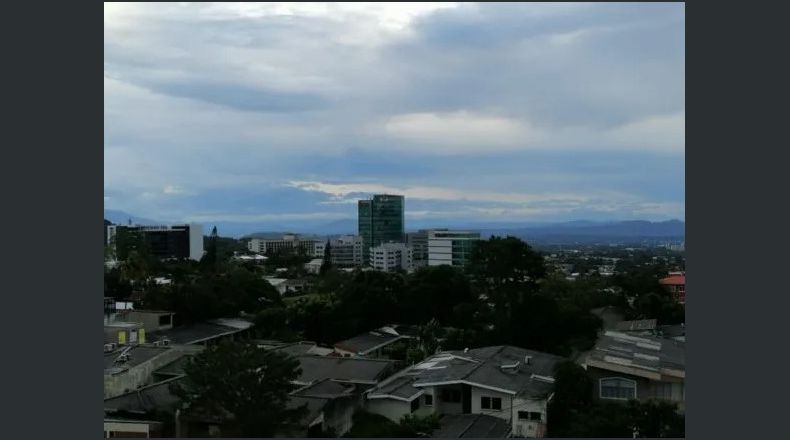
471, 426
674, 280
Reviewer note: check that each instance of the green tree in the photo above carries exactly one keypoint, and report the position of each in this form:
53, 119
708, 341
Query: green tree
248, 384
326, 264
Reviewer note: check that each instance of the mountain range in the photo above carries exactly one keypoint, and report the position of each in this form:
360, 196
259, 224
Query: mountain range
585, 231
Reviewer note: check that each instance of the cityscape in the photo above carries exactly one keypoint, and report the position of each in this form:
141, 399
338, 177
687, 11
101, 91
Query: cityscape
394, 306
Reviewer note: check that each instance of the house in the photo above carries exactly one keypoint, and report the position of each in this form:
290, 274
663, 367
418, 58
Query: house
132, 414
285, 286
623, 367
205, 333
364, 373
373, 343
675, 284
131, 367
508, 383
294, 348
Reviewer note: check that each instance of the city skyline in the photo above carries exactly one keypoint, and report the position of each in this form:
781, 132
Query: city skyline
292, 112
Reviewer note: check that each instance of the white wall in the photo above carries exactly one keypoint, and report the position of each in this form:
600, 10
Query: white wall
526, 428
507, 403
195, 241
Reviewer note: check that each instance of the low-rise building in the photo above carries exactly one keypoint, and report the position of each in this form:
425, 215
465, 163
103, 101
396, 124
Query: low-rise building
675, 284
346, 251
314, 266
510, 383
625, 367
287, 243
132, 367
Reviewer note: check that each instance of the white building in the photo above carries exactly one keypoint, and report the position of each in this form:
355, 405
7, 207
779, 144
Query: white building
288, 242
509, 384
314, 266
390, 257
448, 247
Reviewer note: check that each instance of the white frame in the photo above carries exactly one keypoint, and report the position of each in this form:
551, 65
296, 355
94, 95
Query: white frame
600, 387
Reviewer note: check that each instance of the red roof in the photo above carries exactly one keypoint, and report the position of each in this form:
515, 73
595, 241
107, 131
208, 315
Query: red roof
674, 280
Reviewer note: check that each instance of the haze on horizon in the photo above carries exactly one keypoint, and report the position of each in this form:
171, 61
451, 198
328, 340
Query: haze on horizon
277, 112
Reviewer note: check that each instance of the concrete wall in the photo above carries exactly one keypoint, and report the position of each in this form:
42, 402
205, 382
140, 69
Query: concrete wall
142, 374
528, 428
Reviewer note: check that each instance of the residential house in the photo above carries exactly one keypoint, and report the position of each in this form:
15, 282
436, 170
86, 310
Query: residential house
206, 333
374, 343
675, 284
625, 367
509, 383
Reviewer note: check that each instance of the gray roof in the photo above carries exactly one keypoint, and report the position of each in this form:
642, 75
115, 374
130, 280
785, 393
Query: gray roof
640, 325
646, 356
501, 367
138, 354
402, 387
316, 368
194, 333
471, 426
149, 398
315, 405
327, 389
367, 342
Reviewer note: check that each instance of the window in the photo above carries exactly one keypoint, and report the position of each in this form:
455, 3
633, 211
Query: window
428, 400
415, 405
493, 403
618, 388
530, 415
452, 396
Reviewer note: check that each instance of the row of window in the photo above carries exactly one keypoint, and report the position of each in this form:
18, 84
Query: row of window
489, 403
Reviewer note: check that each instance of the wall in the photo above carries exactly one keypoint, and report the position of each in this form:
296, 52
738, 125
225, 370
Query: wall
527, 428
447, 407
507, 403
645, 388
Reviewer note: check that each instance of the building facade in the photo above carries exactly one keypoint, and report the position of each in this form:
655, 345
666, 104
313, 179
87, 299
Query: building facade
380, 220
287, 243
391, 257
162, 241
448, 247
346, 251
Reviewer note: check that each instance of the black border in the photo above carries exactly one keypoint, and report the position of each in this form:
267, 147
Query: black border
736, 259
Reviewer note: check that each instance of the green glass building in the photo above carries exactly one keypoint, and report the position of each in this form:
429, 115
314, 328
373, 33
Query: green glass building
380, 221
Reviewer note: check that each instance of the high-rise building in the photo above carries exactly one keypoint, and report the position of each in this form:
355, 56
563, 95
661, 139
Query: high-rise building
390, 257
438, 247
175, 241
418, 241
380, 221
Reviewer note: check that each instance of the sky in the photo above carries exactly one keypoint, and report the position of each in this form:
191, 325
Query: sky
286, 113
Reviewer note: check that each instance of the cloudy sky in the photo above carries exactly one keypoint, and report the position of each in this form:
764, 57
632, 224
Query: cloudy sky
480, 112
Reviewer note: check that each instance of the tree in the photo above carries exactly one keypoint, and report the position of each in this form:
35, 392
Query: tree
326, 264
433, 292
248, 384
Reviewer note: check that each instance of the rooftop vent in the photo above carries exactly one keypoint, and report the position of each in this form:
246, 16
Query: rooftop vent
527, 359
510, 366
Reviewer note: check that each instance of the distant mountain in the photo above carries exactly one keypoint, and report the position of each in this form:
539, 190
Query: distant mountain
122, 218
589, 232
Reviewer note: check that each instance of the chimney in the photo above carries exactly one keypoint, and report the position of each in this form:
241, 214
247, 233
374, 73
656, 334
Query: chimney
527, 359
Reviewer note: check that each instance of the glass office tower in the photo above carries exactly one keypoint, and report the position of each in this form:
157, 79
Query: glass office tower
380, 221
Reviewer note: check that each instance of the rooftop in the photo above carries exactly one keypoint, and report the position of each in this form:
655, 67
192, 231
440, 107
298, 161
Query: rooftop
645, 356
512, 370
152, 397
632, 326
327, 389
471, 426
137, 354
317, 368
673, 280
195, 333
367, 342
